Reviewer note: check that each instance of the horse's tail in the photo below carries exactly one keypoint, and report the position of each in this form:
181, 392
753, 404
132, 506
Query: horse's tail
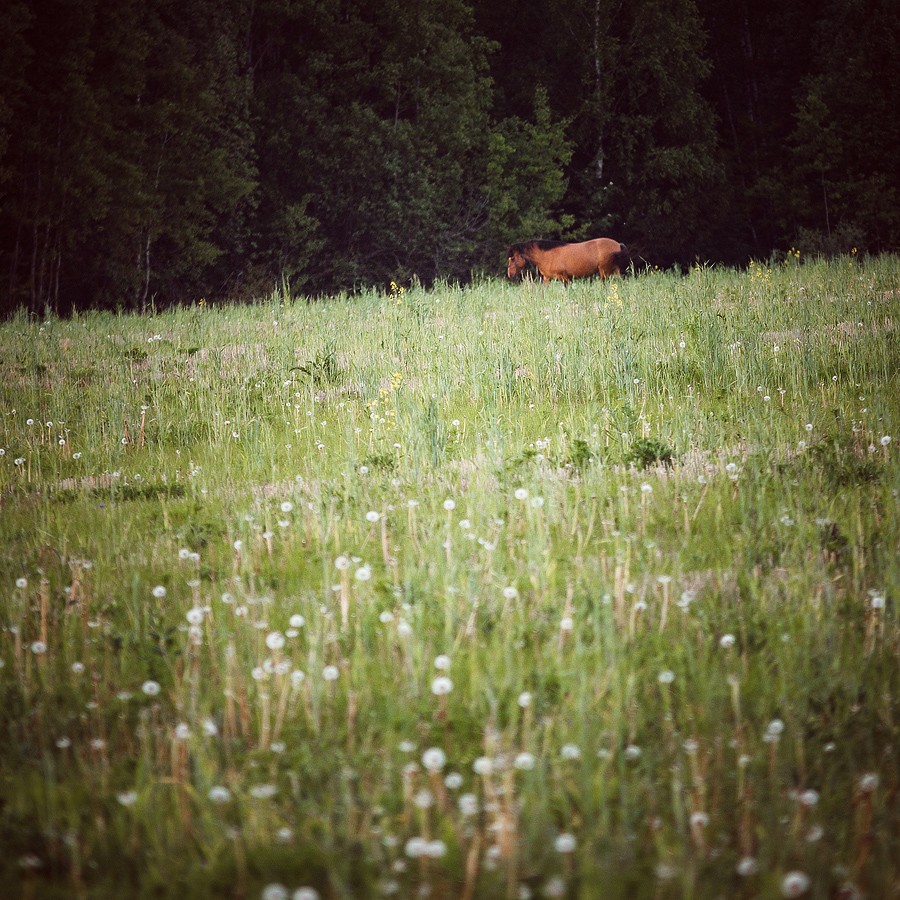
622, 259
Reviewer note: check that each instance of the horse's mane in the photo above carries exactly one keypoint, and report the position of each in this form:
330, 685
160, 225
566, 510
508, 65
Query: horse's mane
525, 246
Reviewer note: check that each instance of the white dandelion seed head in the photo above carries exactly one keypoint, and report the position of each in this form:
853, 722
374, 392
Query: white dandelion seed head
151, 688
263, 791
524, 761
699, 819
727, 641
364, 573
297, 621
159, 592
275, 640
453, 781
22, 583
127, 798
441, 686
416, 847
808, 797
794, 884
565, 843
195, 616
524, 699
434, 759
666, 677
442, 662
521, 493
747, 866
484, 765
449, 505
869, 782
330, 673
305, 893
570, 751
274, 891
373, 515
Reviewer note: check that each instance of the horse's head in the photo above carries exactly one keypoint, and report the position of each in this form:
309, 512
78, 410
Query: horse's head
515, 263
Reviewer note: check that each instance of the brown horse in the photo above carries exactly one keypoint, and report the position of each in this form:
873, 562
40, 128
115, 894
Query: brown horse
556, 259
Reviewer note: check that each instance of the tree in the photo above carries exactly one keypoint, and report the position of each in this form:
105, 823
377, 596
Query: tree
846, 133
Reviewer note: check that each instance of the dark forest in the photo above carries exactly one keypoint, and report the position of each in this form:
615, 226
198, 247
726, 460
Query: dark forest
157, 152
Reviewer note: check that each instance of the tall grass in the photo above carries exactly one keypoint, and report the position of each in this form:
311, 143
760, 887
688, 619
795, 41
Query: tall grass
622, 558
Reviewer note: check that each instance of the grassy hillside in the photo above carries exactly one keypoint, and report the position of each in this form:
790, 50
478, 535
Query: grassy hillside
496, 591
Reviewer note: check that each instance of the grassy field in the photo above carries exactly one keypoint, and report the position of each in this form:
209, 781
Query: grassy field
483, 592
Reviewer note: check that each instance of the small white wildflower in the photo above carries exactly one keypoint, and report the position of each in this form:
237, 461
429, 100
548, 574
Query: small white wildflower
127, 798
570, 751
524, 699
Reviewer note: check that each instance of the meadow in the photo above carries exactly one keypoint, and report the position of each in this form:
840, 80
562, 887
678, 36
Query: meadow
495, 591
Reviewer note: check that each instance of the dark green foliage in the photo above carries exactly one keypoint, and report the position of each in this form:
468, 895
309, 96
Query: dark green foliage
152, 152
846, 466
646, 452
323, 369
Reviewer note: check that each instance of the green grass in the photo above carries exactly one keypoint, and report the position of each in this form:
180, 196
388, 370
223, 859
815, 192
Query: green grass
681, 475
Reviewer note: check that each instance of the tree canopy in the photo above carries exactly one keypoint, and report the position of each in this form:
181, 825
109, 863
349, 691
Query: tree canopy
161, 152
